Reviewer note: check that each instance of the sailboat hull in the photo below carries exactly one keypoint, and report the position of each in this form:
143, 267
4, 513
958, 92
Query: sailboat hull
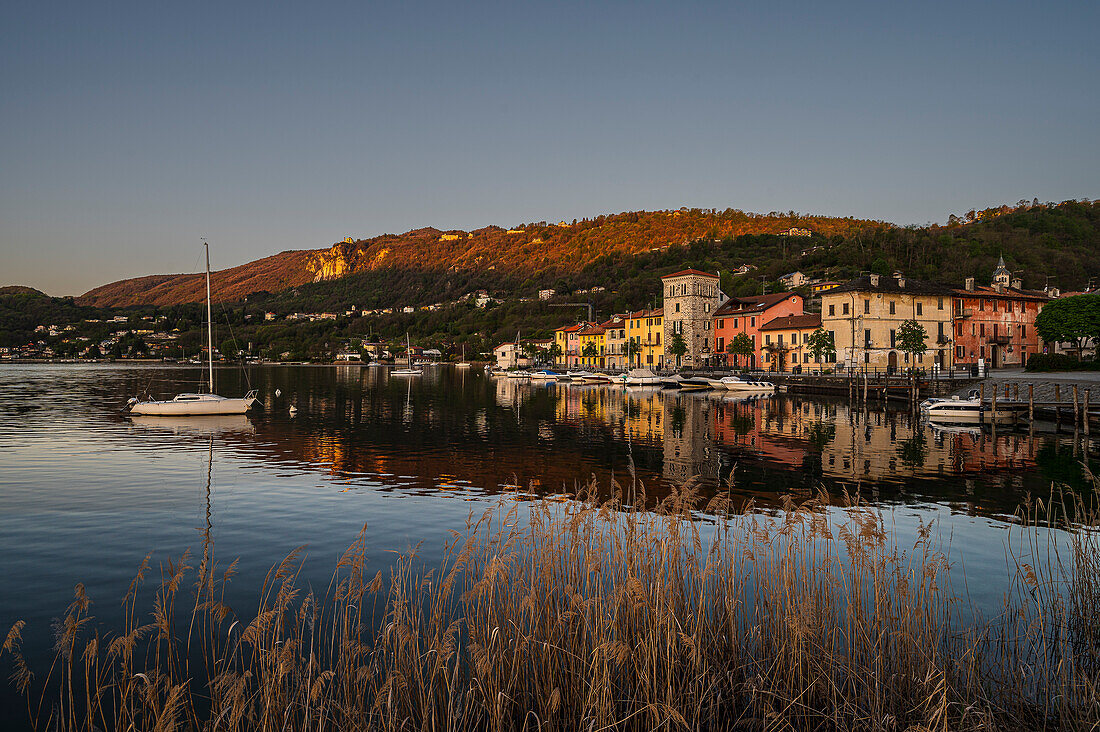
181, 408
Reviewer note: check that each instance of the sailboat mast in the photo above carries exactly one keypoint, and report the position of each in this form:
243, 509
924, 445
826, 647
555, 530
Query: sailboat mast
209, 319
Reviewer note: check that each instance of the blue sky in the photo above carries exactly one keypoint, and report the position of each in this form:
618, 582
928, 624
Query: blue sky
129, 130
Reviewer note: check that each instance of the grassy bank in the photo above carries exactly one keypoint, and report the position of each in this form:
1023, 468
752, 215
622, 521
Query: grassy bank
578, 615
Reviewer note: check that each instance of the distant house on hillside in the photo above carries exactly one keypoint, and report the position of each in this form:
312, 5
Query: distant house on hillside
796, 232
547, 294
795, 279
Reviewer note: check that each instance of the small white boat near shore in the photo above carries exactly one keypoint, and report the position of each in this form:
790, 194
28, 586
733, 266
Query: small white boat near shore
971, 410
737, 384
641, 377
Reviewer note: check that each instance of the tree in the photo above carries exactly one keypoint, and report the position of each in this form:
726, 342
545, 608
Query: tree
740, 345
590, 350
821, 345
554, 352
677, 347
228, 350
911, 337
631, 349
1073, 319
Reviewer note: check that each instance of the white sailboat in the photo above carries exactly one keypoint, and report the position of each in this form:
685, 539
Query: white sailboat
410, 371
200, 403
463, 364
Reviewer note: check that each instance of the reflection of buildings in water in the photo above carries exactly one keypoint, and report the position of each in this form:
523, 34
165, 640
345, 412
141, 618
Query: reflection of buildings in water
688, 438
644, 415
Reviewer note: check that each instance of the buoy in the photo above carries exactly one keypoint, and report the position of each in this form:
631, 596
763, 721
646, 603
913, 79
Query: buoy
278, 392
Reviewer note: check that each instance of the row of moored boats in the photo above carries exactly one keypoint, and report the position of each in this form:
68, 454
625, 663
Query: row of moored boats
645, 377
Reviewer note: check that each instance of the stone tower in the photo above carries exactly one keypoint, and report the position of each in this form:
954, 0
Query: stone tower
691, 297
1001, 275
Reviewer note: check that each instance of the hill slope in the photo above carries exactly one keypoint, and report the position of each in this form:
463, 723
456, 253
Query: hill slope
529, 250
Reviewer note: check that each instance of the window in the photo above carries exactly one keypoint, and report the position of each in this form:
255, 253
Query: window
981, 304
735, 322
721, 324
706, 307
994, 306
768, 339
867, 338
940, 324
1023, 331
866, 306
920, 308
959, 352
844, 308
658, 338
1008, 306
981, 351
832, 310
752, 323
939, 305
981, 329
893, 308
721, 344
893, 338
677, 307
794, 339
805, 358
780, 339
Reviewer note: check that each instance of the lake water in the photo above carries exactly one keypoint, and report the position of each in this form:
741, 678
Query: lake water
86, 491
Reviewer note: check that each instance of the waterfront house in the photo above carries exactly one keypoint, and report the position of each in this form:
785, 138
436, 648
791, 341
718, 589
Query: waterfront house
746, 315
615, 341
567, 339
996, 325
792, 280
645, 328
865, 314
786, 340
594, 335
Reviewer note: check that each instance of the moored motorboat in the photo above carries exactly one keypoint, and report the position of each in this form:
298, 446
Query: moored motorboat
672, 382
736, 383
518, 374
596, 378
696, 383
971, 410
545, 375
641, 377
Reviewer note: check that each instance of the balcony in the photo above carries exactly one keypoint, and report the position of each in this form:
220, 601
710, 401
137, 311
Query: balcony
943, 340
966, 312
998, 340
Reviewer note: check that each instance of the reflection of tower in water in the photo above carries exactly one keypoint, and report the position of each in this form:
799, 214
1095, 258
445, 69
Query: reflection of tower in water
688, 439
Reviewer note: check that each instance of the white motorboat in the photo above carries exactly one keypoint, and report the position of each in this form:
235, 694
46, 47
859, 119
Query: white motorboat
641, 377
202, 403
545, 375
971, 410
672, 382
518, 375
577, 376
595, 378
736, 383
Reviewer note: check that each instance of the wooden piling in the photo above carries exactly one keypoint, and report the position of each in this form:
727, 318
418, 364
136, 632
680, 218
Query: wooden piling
1057, 404
1076, 408
1031, 402
1016, 391
1085, 412
993, 409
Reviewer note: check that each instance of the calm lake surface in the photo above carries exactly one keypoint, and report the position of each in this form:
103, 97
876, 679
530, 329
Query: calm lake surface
86, 491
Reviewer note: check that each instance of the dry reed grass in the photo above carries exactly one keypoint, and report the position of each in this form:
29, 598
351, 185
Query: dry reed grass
598, 616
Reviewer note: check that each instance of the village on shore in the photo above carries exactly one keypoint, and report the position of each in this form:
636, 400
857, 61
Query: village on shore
857, 324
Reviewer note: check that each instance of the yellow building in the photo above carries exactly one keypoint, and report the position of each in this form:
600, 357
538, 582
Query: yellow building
819, 287
865, 314
785, 344
645, 328
592, 334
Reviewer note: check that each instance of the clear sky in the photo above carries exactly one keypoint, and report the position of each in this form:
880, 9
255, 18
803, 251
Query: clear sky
129, 130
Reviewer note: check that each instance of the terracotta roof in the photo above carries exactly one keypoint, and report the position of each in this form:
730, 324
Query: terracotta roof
658, 313
753, 304
1009, 293
683, 272
787, 322
592, 330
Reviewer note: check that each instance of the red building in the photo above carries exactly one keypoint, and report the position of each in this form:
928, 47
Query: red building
996, 323
747, 315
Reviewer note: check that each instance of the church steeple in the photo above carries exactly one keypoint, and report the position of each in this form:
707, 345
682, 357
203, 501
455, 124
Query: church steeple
1001, 275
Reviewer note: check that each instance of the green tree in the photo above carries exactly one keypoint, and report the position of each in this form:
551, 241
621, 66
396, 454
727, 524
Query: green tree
911, 338
554, 352
1072, 319
740, 345
821, 345
631, 349
677, 347
590, 350
228, 350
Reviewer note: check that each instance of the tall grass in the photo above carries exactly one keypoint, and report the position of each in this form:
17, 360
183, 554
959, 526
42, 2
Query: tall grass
597, 616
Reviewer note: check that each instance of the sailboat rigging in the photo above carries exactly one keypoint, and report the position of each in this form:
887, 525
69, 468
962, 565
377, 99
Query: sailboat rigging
410, 371
203, 402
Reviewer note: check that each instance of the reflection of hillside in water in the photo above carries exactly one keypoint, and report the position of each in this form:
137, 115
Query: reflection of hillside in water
451, 431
